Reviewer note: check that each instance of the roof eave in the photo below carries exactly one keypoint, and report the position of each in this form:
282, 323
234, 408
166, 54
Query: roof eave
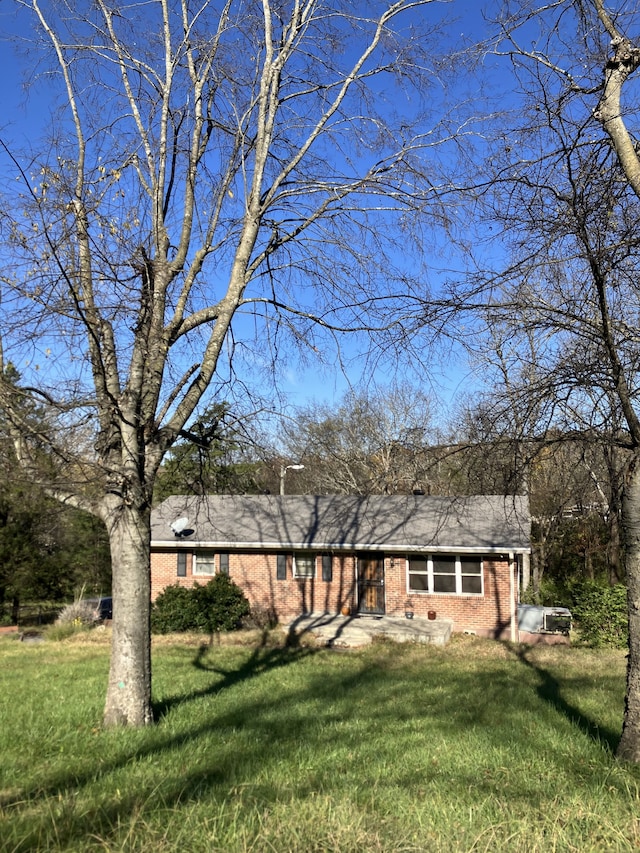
342, 546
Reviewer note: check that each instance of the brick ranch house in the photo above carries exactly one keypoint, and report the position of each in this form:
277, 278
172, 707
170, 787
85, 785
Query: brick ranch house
459, 558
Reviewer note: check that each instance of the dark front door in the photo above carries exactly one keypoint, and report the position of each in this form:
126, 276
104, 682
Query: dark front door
371, 584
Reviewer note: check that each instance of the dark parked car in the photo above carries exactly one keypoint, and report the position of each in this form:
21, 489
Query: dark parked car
103, 607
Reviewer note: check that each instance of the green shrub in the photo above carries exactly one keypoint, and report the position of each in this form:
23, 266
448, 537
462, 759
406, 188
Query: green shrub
601, 615
222, 604
174, 610
219, 605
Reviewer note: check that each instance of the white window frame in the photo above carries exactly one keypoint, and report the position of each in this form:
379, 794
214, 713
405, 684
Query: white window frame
454, 575
428, 572
301, 556
204, 563
464, 575
457, 574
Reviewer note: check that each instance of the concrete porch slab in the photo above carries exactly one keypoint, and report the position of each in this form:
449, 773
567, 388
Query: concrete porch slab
352, 631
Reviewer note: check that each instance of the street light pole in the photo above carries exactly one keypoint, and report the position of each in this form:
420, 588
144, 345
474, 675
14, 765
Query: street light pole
283, 474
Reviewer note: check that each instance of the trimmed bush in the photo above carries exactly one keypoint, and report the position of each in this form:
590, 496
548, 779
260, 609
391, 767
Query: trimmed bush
601, 614
223, 604
219, 605
175, 610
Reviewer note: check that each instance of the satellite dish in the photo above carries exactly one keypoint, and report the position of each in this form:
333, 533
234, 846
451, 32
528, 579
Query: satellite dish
179, 525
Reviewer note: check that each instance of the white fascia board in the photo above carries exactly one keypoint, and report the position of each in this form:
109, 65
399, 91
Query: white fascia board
327, 546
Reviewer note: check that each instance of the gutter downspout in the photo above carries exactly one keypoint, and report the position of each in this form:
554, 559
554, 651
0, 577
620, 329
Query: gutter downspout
512, 596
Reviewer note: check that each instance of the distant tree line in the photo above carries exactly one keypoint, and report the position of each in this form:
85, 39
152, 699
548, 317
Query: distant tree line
49, 551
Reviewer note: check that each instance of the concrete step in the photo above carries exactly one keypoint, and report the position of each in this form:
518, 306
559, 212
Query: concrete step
354, 631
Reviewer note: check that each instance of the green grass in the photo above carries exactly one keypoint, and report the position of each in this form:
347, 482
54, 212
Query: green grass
474, 747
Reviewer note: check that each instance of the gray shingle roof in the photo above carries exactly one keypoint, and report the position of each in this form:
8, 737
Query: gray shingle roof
406, 522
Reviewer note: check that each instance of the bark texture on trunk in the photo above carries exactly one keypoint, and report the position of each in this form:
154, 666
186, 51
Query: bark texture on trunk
629, 747
129, 690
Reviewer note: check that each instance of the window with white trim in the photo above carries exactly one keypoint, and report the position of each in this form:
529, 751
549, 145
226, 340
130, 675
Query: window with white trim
470, 575
444, 573
418, 574
304, 565
448, 574
204, 563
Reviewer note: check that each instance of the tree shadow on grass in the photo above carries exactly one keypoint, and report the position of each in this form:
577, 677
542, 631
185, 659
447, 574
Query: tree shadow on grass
232, 745
265, 657
550, 690
153, 743
262, 659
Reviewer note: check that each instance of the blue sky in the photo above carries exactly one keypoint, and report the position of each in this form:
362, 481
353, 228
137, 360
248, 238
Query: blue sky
24, 110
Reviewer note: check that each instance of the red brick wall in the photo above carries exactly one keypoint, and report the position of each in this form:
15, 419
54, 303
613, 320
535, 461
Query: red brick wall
488, 614
164, 569
255, 573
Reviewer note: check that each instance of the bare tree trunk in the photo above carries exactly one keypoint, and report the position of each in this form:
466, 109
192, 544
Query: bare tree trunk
616, 575
129, 691
629, 747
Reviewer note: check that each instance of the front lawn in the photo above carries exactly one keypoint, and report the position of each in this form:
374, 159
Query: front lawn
474, 747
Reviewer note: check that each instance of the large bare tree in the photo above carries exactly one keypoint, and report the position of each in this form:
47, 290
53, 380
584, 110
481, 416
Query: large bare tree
562, 197
368, 442
210, 177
